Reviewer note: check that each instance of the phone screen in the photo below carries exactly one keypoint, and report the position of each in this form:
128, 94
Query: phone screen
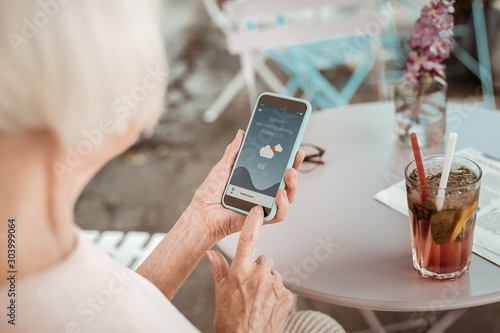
264, 155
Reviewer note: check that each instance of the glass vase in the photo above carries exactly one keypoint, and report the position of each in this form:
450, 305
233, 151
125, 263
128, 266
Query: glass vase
421, 110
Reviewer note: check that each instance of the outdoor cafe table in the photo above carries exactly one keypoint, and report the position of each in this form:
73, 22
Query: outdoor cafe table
340, 246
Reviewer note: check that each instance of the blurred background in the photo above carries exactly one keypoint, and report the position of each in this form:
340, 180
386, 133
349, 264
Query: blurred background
211, 88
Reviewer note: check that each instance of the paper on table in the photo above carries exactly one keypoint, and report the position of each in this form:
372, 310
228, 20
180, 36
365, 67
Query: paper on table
487, 231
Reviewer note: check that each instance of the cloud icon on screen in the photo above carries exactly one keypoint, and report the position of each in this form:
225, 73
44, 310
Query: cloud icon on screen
268, 151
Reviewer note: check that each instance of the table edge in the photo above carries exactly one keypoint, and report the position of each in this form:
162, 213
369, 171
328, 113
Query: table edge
359, 303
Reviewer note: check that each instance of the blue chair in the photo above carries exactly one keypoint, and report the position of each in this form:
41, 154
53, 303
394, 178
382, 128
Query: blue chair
303, 38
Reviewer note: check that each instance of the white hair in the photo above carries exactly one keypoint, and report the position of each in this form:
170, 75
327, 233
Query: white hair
77, 66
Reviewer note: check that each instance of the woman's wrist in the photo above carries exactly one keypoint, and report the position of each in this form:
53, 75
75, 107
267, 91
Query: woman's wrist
199, 227
178, 253
206, 221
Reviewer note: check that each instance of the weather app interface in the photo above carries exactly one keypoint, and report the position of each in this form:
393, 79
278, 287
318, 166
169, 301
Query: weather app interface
266, 150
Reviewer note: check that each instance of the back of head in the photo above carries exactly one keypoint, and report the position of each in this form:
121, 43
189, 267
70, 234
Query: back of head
77, 66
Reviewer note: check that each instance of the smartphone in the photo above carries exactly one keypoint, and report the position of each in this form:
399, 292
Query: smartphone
271, 142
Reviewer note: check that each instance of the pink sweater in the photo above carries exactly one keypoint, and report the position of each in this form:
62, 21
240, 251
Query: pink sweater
90, 292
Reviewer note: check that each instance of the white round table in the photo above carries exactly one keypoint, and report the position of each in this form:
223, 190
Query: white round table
340, 246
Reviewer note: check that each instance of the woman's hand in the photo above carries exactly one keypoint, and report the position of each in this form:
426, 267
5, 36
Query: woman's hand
204, 223
208, 198
249, 296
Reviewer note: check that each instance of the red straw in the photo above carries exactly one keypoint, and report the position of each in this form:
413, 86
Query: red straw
420, 166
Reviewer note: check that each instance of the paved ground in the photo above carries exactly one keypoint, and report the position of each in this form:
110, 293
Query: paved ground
148, 187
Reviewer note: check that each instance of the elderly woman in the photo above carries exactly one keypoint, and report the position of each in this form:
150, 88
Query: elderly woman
79, 81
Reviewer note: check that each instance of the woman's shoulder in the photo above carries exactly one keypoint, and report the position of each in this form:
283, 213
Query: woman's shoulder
90, 291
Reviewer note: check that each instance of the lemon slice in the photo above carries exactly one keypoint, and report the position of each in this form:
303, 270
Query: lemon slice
467, 210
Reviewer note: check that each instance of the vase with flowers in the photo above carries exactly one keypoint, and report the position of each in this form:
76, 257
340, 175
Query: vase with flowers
421, 97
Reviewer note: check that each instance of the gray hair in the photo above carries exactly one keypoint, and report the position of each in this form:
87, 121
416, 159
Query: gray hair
75, 67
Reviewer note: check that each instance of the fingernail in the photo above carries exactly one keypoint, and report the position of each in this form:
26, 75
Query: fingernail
257, 209
210, 255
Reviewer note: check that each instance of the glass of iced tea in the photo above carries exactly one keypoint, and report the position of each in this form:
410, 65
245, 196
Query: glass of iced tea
442, 238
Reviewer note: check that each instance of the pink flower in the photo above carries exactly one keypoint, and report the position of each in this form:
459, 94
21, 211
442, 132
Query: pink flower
437, 17
411, 80
423, 62
430, 42
440, 49
445, 22
433, 12
412, 65
422, 35
435, 68
446, 4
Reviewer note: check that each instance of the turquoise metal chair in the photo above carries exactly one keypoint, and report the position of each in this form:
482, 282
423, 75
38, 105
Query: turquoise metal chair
303, 64
303, 48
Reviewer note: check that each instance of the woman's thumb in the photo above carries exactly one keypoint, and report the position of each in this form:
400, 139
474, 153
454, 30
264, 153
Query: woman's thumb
220, 267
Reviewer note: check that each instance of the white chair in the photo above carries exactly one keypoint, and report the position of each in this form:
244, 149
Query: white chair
129, 249
237, 82
253, 26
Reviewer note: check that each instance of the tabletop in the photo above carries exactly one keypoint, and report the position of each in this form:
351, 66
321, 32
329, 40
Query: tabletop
340, 246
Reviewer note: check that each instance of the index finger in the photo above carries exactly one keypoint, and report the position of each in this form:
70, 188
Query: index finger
248, 238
